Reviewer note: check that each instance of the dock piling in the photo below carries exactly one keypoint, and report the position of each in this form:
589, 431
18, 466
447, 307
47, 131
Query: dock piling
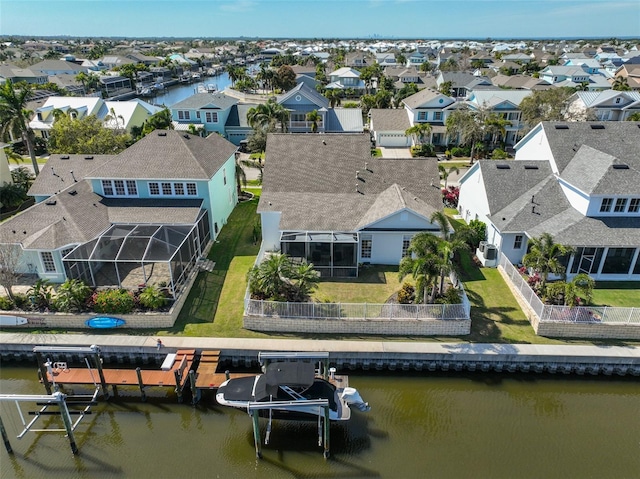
43, 372
256, 433
143, 394
327, 430
5, 437
176, 373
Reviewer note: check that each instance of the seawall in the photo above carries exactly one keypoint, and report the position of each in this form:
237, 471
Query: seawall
353, 355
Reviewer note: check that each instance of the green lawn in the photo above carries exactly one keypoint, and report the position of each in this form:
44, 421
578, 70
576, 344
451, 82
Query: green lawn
375, 284
624, 294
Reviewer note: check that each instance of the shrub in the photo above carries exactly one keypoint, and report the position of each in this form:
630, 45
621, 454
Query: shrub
407, 294
152, 297
554, 293
5, 303
39, 295
113, 301
450, 196
499, 154
426, 149
20, 300
350, 104
72, 296
457, 152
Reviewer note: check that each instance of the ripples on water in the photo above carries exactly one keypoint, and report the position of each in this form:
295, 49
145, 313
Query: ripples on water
473, 425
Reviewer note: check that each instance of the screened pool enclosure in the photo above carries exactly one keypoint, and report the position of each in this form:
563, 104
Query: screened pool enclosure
131, 256
332, 253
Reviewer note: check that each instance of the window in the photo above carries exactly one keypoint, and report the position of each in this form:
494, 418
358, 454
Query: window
119, 187
365, 246
192, 190
618, 100
47, 262
422, 116
224, 177
437, 116
66, 251
212, 117
621, 205
634, 205
179, 189
166, 189
406, 241
132, 188
107, 188
517, 242
183, 115
154, 188
605, 206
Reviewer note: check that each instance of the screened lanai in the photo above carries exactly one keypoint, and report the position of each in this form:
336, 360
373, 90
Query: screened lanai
332, 253
133, 255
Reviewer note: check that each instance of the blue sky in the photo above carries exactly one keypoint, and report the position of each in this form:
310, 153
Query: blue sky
423, 19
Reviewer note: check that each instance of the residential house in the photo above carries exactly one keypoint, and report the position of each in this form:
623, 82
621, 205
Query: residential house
574, 76
462, 83
344, 78
57, 67
206, 110
631, 72
15, 74
143, 216
590, 65
402, 76
388, 126
116, 61
577, 181
386, 59
113, 85
505, 103
117, 115
416, 59
359, 59
326, 200
517, 58
430, 106
608, 105
520, 82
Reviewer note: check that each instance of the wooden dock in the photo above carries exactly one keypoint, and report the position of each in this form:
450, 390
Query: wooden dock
175, 377
207, 375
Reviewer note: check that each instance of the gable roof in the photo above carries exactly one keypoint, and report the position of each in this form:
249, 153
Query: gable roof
56, 175
303, 90
57, 65
492, 98
311, 180
206, 100
238, 116
620, 139
595, 98
425, 96
168, 154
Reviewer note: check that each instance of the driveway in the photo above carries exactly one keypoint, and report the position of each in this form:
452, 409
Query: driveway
395, 152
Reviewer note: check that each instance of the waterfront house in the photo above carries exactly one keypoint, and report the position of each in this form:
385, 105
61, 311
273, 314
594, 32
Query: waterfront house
56, 67
327, 200
579, 182
344, 78
206, 110
16, 74
462, 83
144, 215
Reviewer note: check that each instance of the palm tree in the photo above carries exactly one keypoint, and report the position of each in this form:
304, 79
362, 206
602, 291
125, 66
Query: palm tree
419, 132
314, 117
467, 126
620, 84
113, 117
14, 117
423, 264
497, 126
444, 173
82, 77
545, 256
268, 115
334, 97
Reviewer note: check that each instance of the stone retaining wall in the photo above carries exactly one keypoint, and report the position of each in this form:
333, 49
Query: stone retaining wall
140, 321
409, 327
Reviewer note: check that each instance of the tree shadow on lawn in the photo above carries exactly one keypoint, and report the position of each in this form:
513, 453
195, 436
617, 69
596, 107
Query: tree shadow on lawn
367, 274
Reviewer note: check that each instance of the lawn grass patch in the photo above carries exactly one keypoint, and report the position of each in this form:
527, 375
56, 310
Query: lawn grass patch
624, 294
374, 284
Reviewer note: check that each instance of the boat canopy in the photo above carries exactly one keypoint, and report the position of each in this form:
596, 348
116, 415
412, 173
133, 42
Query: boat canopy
284, 373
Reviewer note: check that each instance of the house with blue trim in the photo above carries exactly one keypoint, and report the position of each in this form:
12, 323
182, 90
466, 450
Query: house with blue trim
204, 110
145, 214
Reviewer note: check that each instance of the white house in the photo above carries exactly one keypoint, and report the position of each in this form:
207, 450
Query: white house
579, 182
326, 200
345, 77
608, 105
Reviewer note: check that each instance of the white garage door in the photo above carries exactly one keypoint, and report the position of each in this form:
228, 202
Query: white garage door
393, 140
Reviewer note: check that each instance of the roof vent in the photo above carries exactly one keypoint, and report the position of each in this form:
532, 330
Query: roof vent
530, 167
502, 166
620, 166
88, 157
64, 157
162, 133
561, 127
50, 202
73, 192
597, 127
186, 136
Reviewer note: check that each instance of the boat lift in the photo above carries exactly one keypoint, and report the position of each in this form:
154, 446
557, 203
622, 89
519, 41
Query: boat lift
57, 399
253, 408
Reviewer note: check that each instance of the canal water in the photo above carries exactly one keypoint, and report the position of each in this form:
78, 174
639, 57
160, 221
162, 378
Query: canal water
174, 94
420, 425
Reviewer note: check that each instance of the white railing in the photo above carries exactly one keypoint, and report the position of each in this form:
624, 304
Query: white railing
567, 314
357, 311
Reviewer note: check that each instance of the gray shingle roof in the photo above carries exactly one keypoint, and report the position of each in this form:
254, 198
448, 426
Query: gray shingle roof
424, 96
209, 100
302, 89
620, 139
389, 119
311, 179
174, 211
56, 175
167, 154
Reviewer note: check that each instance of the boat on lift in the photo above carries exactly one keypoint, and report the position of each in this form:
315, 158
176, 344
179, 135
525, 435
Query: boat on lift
282, 389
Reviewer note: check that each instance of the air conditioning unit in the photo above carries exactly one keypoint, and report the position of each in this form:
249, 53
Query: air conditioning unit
490, 252
483, 245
